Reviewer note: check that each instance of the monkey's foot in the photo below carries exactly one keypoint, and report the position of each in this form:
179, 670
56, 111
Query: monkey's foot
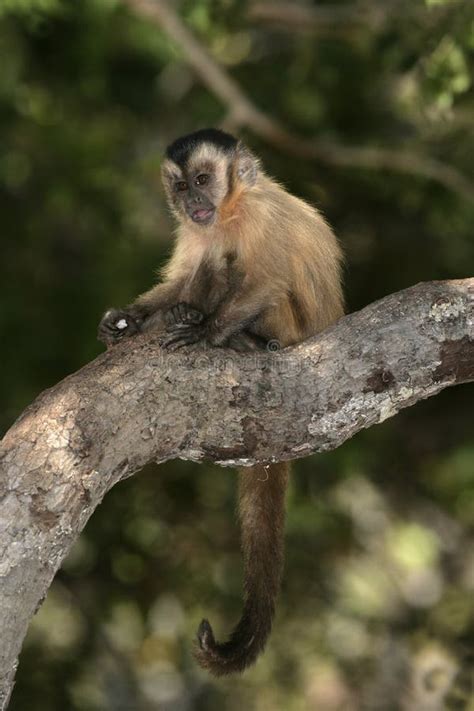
183, 313
117, 324
182, 335
244, 342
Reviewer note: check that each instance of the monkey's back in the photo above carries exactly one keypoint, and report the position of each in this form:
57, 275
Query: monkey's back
297, 254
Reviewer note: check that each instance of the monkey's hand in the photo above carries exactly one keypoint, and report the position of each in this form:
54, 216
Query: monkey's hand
117, 324
183, 314
184, 326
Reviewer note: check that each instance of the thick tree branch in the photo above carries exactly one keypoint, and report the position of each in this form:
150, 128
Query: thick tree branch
135, 404
244, 113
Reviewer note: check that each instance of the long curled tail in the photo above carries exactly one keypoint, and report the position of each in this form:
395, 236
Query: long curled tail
262, 517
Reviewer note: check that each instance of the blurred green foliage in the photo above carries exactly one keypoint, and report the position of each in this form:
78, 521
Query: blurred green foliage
377, 606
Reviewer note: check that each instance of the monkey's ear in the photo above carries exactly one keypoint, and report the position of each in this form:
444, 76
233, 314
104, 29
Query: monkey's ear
170, 172
246, 165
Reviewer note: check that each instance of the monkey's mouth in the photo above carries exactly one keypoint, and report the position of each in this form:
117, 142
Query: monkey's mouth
202, 216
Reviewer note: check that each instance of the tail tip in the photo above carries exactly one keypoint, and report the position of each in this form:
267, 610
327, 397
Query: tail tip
232, 657
205, 636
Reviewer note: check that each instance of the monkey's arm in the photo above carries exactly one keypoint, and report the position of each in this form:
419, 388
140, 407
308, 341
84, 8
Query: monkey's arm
160, 298
145, 313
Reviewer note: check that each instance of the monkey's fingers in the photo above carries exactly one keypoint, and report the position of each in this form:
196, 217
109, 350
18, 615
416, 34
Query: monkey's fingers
171, 317
183, 313
194, 316
176, 343
114, 329
181, 335
244, 342
115, 325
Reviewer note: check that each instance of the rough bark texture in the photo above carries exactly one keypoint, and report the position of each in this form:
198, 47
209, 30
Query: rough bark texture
135, 404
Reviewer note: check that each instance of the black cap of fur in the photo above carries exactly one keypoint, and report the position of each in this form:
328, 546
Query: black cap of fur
180, 150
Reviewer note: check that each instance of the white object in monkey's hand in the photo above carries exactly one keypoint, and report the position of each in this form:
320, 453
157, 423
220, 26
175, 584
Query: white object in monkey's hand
117, 324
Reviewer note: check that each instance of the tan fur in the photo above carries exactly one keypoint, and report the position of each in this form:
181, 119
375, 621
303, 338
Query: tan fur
285, 248
270, 263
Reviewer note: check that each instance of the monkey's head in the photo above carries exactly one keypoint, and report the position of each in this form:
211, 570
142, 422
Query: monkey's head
201, 170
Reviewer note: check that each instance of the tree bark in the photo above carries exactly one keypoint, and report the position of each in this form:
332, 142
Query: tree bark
135, 404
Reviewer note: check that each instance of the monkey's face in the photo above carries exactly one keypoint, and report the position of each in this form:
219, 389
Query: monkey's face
194, 195
197, 187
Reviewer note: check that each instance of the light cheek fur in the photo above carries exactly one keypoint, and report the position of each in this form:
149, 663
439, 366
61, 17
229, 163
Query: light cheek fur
170, 175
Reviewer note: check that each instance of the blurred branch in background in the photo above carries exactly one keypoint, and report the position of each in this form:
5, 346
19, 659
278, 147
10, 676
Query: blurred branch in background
305, 18
244, 113
300, 17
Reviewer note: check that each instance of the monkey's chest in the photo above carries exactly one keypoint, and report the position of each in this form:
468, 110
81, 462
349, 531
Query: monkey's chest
214, 282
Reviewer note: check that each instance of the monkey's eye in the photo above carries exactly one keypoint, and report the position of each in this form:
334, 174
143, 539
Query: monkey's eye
202, 179
181, 185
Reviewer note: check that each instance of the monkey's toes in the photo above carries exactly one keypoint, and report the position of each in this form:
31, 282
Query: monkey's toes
183, 313
181, 335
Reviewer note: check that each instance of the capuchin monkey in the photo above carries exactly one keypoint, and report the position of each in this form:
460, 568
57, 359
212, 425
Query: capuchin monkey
252, 265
